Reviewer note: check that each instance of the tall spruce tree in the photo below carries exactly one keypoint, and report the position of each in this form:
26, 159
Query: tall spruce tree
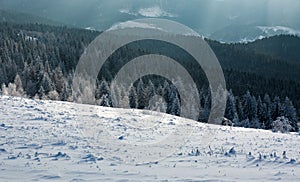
150, 92
268, 113
230, 110
240, 111
276, 109
290, 114
174, 101
132, 97
166, 95
141, 95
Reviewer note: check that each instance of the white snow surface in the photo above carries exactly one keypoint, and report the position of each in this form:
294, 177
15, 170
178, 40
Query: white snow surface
61, 141
280, 29
90, 28
134, 24
127, 11
149, 12
155, 12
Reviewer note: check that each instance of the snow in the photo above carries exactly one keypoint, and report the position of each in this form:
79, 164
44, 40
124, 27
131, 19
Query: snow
30, 38
127, 11
90, 28
149, 12
159, 25
233, 17
247, 40
52, 140
268, 31
278, 29
134, 24
155, 12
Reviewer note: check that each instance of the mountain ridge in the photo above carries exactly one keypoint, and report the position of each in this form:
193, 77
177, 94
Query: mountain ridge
12, 16
256, 18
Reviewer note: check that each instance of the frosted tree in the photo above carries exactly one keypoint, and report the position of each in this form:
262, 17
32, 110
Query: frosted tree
220, 95
53, 95
205, 106
102, 89
174, 103
239, 111
132, 97
254, 122
83, 91
28, 83
19, 85
230, 106
58, 79
87, 97
64, 94
141, 95
260, 112
281, 124
105, 101
290, 113
4, 89
235, 121
150, 92
247, 105
268, 112
11, 89
276, 109
124, 97
246, 123
268, 102
166, 95
41, 93
47, 83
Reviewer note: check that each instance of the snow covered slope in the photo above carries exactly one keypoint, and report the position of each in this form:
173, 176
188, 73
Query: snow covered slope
60, 141
250, 33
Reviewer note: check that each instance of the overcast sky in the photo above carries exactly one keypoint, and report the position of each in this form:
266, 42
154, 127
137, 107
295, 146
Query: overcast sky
209, 14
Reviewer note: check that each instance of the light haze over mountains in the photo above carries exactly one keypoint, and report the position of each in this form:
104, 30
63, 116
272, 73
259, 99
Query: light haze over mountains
223, 20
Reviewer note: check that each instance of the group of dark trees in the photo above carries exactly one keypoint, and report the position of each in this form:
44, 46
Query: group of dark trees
39, 61
142, 97
260, 112
44, 57
244, 111
270, 65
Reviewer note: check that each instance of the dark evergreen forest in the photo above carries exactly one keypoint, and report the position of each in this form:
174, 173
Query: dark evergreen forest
263, 78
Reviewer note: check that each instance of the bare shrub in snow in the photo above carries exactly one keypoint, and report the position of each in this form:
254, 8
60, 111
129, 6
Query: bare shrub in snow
53, 95
281, 124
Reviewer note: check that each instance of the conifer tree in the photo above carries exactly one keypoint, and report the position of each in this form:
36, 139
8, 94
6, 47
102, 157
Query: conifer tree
290, 114
230, 106
166, 95
141, 95
132, 97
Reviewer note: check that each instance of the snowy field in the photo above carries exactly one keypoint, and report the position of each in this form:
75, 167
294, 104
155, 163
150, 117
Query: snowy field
60, 141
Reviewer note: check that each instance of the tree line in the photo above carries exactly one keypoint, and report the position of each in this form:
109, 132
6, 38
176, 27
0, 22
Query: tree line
38, 61
262, 112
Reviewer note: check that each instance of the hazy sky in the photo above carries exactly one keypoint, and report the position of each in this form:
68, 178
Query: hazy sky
201, 14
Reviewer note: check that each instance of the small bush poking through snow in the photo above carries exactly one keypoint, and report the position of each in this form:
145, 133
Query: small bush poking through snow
281, 124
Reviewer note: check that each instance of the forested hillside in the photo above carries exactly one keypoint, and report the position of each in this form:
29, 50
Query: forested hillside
22, 18
39, 60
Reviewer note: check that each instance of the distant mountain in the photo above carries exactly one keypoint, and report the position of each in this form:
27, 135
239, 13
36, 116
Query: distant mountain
274, 57
270, 65
250, 33
222, 20
280, 47
17, 17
